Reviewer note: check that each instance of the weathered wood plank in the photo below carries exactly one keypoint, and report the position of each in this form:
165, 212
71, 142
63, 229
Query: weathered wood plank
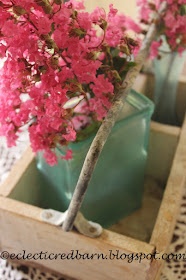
172, 196
16, 173
25, 231
162, 147
166, 220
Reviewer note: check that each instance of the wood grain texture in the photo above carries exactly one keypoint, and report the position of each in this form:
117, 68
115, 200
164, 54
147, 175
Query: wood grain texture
172, 196
166, 220
18, 170
181, 98
140, 223
21, 226
25, 231
162, 147
40, 267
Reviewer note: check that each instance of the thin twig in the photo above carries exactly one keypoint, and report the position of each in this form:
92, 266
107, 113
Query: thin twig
107, 125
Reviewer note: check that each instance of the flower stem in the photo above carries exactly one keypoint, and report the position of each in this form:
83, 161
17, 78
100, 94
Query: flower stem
107, 125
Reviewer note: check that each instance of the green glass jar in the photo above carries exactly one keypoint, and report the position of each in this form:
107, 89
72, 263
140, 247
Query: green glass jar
116, 188
167, 72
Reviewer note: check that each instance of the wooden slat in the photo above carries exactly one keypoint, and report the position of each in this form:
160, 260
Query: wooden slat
18, 170
140, 223
25, 231
162, 147
165, 223
181, 98
172, 196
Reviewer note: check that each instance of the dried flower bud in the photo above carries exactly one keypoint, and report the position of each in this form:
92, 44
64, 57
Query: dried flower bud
104, 24
58, 2
92, 55
116, 75
132, 42
1, 4
54, 62
152, 6
18, 10
36, 78
144, 32
144, 21
49, 42
74, 14
77, 32
47, 8
16, 107
124, 49
183, 40
43, 69
69, 6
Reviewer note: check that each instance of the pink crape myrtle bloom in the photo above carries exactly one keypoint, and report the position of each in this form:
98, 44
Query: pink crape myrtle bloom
55, 56
154, 49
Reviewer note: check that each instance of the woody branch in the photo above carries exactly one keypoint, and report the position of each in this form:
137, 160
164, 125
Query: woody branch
107, 125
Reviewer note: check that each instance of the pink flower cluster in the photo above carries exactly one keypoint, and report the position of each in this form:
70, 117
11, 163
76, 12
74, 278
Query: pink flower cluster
173, 24
59, 76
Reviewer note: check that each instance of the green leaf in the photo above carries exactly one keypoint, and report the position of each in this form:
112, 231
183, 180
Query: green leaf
72, 81
118, 62
183, 10
129, 65
87, 131
114, 52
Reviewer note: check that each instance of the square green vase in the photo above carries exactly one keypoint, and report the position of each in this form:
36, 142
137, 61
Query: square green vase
116, 188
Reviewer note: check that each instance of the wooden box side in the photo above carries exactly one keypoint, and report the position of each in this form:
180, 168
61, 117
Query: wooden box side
11, 202
162, 147
168, 212
23, 217
18, 172
163, 229
25, 169
138, 225
25, 231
